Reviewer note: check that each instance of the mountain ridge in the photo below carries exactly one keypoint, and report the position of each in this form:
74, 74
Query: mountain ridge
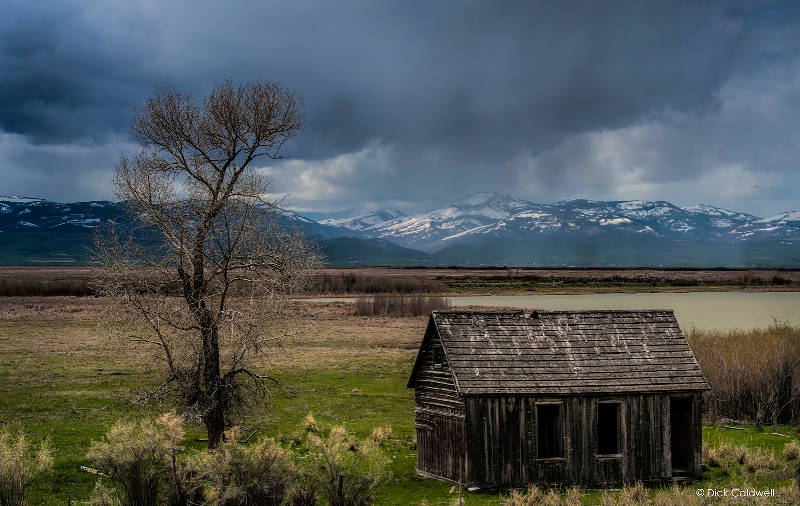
483, 228
486, 215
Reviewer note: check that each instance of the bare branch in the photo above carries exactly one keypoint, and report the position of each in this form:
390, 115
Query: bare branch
211, 264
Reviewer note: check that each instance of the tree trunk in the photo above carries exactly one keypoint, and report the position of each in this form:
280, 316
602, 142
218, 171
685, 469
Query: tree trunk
214, 420
215, 392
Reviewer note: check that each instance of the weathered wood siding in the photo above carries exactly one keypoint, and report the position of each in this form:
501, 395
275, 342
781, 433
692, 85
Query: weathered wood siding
439, 418
440, 444
501, 441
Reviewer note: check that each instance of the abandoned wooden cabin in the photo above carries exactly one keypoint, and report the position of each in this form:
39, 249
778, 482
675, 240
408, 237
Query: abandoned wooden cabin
568, 397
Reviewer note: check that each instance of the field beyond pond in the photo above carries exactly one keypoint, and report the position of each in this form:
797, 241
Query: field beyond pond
62, 379
76, 280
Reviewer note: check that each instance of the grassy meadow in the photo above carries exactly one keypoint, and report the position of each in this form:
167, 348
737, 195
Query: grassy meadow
62, 379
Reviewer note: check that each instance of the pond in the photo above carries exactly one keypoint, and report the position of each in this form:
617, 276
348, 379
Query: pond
702, 310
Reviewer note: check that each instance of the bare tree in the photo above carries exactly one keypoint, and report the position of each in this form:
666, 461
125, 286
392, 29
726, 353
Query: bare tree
216, 264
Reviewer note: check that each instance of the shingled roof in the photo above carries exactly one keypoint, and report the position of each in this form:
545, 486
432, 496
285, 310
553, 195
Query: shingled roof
565, 352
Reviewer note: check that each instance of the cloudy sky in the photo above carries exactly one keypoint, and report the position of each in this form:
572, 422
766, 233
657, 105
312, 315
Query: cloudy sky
412, 104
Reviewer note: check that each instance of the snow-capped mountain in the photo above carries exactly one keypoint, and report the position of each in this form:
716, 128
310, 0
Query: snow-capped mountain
488, 215
482, 228
466, 217
366, 221
781, 219
22, 213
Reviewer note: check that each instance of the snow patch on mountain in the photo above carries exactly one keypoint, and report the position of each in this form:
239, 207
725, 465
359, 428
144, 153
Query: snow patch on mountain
365, 221
709, 210
85, 222
782, 218
721, 223
18, 199
614, 221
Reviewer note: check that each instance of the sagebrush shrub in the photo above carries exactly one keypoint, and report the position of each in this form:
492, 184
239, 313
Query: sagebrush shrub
791, 451
139, 458
311, 423
515, 498
381, 434
757, 459
633, 495
102, 496
726, 455
345, 470
20, 463
573, 497
234, 474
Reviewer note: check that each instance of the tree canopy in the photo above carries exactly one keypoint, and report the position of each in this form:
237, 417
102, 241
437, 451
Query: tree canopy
216, 260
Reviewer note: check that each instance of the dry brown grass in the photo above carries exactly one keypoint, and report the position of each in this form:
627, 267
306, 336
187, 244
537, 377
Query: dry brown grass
330, 336
727, 276
400, 305
76, 280
324, 334
754, 374
63, 309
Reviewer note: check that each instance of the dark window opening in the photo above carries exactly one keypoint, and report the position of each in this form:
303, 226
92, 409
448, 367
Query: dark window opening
607, 428
438, 356
548, 431
681, 433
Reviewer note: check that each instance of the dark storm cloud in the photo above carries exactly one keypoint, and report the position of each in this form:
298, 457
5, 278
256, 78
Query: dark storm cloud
63, 79
475, 74
463, 95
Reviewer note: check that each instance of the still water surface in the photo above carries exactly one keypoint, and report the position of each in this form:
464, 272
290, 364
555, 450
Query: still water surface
703, 310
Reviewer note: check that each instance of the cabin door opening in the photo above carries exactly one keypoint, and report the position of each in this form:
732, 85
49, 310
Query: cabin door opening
681, 434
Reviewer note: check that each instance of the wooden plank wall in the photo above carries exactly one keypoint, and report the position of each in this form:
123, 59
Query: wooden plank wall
501, 443
440, 444
439, 420
435, 385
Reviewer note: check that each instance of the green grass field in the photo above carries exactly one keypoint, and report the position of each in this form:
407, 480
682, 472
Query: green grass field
61, 379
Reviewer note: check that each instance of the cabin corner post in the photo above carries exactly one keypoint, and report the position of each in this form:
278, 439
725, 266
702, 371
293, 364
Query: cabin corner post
666, 443
697, 423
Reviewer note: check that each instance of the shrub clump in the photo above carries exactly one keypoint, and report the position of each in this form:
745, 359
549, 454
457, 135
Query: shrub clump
20, 463
341, 469
791, 451
139, 458
726, 455
235, 474
349, 283
147, 467
760, 387
400, 305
